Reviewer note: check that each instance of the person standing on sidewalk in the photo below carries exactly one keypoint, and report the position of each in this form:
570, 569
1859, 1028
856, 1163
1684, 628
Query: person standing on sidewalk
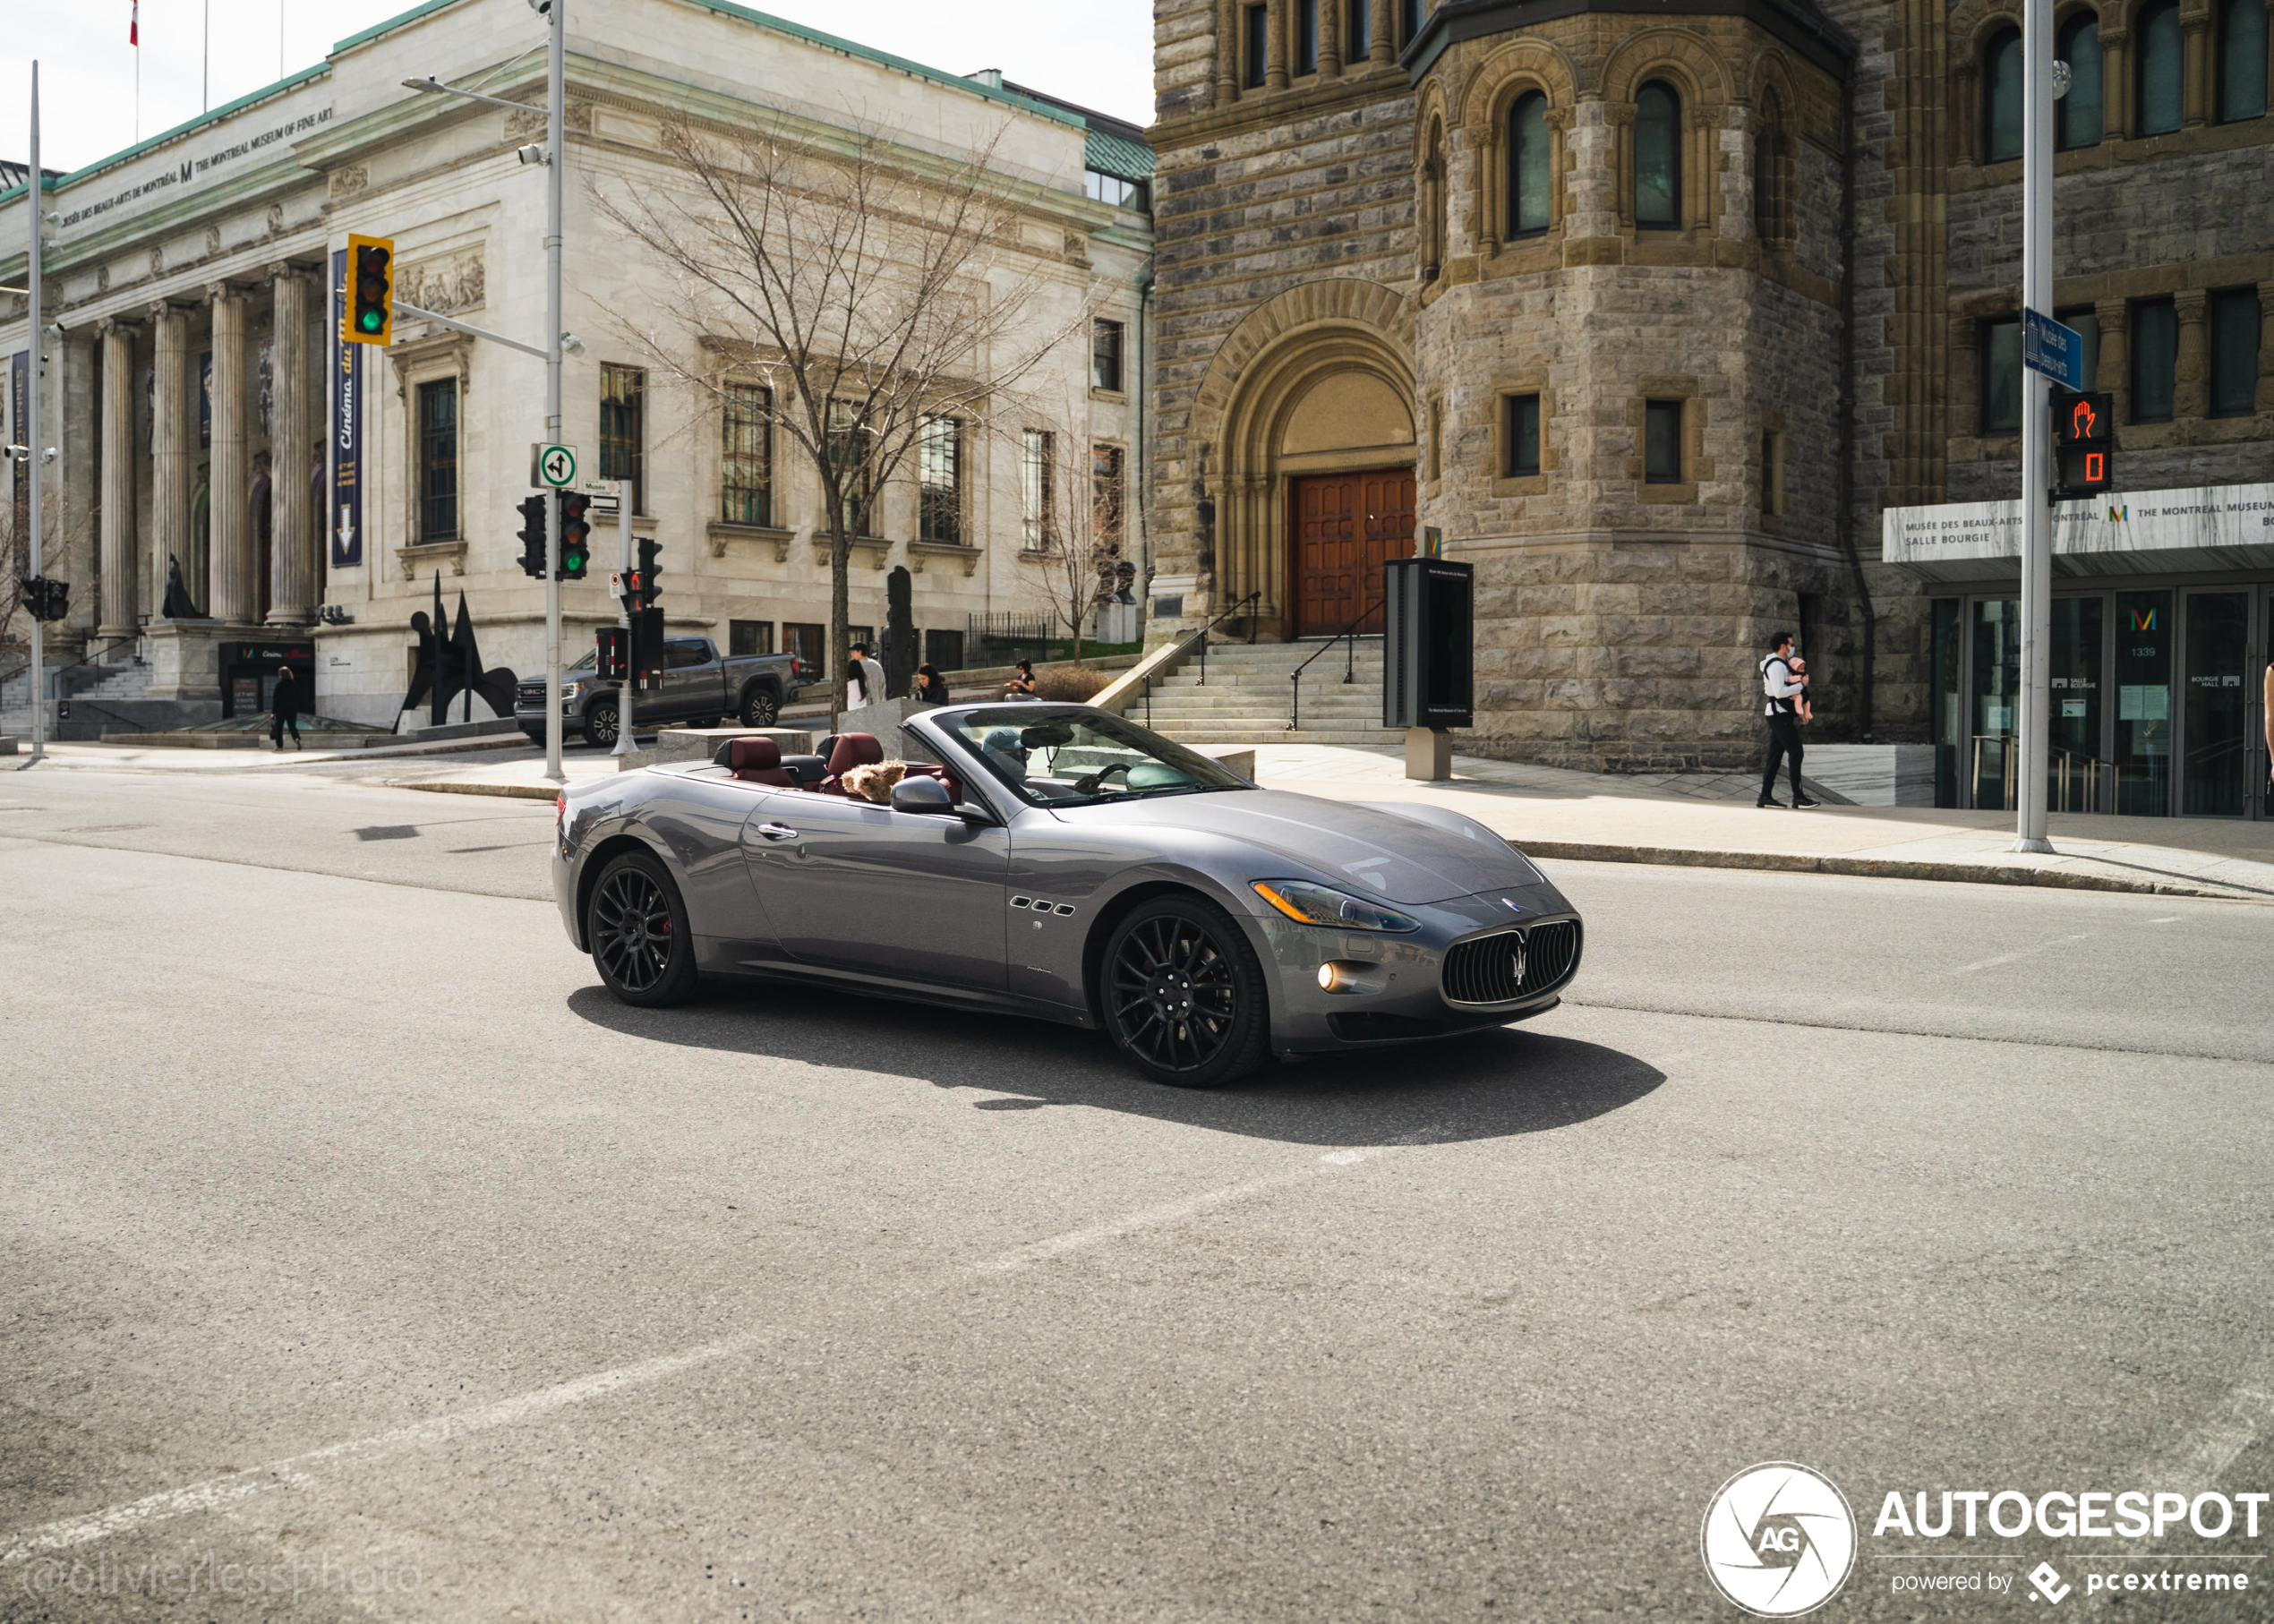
284, 710
1780, 689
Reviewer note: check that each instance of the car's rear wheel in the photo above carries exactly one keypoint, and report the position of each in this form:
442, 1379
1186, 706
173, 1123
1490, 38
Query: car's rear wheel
600, 723
636, 925
759, 709
1184, 999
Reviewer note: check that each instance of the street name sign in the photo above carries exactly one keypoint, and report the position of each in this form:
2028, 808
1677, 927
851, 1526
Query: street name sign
2056, 351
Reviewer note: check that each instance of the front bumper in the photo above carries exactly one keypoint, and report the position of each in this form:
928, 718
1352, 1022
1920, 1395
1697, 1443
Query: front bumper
1400, 993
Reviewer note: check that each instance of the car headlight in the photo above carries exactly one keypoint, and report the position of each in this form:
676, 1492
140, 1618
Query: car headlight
570, 690
1309, 904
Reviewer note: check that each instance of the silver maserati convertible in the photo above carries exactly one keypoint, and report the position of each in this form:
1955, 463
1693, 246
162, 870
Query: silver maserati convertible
1057, 862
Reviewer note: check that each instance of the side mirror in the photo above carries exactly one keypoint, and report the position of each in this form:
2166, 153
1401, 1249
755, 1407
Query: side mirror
926, 796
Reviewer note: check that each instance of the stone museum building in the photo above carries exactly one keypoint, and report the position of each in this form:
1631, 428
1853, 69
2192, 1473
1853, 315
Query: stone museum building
1660, 316
237, 484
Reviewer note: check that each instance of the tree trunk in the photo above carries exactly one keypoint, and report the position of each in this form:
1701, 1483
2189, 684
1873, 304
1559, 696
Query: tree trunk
840, 604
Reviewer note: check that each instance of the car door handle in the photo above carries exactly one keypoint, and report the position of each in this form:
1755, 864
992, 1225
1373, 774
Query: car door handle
777, 832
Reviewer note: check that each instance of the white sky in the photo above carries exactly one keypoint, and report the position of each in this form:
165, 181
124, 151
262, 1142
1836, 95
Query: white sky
1098, 54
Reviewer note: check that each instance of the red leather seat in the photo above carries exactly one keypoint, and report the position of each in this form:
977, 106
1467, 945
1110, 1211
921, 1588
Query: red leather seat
759, 761
851, 750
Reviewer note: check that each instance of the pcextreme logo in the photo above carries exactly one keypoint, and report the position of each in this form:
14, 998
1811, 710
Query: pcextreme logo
1779, 1540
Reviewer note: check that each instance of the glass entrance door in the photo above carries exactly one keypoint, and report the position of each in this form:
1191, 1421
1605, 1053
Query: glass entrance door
2074, 772
2143, 755
1994, 712
2214, 782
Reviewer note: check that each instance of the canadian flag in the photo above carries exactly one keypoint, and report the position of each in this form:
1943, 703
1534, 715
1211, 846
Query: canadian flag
134, 24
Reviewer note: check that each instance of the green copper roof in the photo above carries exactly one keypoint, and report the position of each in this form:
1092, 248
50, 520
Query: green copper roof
1112, 155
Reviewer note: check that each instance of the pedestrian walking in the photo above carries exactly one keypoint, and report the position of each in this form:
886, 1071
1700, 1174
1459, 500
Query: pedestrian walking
864, 680
284, 710
1782, 692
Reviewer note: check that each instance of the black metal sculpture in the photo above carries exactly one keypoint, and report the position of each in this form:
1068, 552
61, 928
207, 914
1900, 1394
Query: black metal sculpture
178, 605
900, 634
459, 661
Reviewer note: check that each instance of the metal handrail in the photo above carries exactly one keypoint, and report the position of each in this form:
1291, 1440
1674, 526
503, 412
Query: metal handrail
1256, 598
88, 662
1348, 636
2071, 776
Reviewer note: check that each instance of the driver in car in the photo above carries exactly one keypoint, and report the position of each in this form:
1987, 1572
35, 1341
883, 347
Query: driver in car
1005, 751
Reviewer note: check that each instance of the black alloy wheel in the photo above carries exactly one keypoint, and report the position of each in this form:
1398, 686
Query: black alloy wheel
637, 929
600, 724
759, 709
1183, 995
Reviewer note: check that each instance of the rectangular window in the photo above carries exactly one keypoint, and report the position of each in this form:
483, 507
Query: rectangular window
803, 642
2234, 353
2001, 377
939, 479
1435, 452
1409, 20
2155, 359
1038, 516
1258, 38
746, 456
1105, 356
1307, 36
1772, 472
438, 460
944, 649
1104, 495
1358, 32
1523, 431
623, 409
848, 451
748, 637
1113, 189
2086, 324
1661, 449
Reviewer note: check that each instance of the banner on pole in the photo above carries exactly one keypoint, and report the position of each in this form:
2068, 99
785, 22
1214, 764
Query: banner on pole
343, 517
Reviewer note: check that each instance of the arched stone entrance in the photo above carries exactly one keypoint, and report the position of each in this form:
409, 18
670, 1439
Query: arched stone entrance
1308, 409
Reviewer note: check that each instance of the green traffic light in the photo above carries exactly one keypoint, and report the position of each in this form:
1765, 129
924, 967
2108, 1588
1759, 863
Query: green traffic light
373, 321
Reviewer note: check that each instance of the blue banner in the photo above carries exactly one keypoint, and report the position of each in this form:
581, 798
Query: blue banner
345, 517
19, 420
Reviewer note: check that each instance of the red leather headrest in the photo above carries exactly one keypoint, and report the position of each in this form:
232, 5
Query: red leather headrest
854, 751
744, 754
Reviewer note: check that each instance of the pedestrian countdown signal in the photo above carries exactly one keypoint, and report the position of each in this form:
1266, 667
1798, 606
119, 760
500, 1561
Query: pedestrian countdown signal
2084, 443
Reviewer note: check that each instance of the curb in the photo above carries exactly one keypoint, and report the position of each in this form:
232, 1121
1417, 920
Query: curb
1867, 868
512, 792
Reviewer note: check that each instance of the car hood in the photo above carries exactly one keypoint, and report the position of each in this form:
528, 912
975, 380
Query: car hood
1366, 848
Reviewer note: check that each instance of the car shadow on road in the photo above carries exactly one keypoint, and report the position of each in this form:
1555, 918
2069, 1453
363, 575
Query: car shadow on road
1484, 1085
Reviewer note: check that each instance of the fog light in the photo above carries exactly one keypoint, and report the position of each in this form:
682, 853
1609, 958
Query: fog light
1340, 977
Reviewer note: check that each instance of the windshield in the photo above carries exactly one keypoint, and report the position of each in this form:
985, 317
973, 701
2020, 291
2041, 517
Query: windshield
589, 663
1080, 758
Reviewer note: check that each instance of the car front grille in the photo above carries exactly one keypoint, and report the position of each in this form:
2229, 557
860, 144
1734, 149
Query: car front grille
1511, 964
529, 694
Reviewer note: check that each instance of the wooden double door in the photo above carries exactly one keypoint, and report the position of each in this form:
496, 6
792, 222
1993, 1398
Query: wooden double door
1344, 527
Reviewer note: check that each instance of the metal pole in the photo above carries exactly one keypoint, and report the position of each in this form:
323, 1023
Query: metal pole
556, 93
2036, 428
30, 437
624, 688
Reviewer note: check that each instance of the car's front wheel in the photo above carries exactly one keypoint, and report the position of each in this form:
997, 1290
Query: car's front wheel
636, 926
600, 723
759, 709
1183, 996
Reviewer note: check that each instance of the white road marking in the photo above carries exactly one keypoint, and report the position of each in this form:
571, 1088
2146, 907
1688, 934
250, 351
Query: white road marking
2174, 920
293, 1471
2020, 952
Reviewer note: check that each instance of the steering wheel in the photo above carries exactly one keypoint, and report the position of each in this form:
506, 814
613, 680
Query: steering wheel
1090, 783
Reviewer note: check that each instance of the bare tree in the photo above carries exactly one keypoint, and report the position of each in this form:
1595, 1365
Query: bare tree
1072, 501
849, 299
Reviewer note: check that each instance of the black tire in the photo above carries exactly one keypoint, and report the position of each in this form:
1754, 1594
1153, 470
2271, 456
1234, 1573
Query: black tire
1183, 995
759, 709
636, 925
600, 723
533, 735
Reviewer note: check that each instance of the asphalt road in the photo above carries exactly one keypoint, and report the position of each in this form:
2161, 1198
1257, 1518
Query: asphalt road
352, 1238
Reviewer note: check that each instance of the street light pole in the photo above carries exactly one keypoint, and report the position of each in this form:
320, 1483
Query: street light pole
29, 436
2037, 430
556, 94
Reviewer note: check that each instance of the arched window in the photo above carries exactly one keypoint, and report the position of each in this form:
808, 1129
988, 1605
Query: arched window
1658, 165
1529, 177
1771, 174
2241, 59
2076, 116
2002, 115
2159, 69
1433, 174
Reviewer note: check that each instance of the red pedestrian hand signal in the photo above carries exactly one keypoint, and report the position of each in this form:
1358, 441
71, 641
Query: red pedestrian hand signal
2082, 421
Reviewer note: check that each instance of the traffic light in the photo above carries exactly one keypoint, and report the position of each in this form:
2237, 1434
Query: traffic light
46, 600
575, 535
2085, 444
371, 290
532, 537
613, 654
649, 581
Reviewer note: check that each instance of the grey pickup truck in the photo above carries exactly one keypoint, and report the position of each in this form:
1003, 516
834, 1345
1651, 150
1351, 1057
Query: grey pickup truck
697, 686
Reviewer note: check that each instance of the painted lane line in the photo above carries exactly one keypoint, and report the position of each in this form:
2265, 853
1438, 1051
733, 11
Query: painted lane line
2021, 953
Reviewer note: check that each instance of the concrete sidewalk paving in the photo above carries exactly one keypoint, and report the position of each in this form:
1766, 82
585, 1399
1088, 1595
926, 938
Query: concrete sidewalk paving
1555, 813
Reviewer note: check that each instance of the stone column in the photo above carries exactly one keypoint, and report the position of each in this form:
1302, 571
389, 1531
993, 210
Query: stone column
1276, 26
2196, 63
292, 526
1227, 53
120, 607
173, 457
1381, 55
2191, 380
1330, 38
229, 586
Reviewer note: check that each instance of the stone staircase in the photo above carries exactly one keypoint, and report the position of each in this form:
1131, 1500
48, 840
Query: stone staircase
1246, 697
101, 697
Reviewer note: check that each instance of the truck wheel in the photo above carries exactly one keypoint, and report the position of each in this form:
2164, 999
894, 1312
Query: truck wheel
600, 723
759, 708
